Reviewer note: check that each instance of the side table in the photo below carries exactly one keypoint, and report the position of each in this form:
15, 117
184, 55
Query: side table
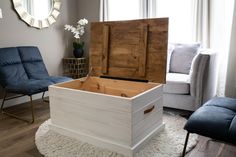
75, 67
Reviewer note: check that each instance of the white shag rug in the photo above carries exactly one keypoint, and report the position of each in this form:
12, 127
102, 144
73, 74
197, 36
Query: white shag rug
169, 143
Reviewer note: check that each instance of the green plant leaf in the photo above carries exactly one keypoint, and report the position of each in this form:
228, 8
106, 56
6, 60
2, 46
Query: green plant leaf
77, 45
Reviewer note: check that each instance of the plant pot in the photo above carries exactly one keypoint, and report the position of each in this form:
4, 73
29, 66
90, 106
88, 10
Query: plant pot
78, 53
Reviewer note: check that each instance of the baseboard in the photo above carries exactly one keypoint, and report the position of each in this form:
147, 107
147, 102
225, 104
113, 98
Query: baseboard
21, 100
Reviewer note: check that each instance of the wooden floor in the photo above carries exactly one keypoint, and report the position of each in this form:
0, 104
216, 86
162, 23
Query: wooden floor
17, 137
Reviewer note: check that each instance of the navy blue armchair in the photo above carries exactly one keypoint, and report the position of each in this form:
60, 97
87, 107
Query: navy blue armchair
215, 119
22, 71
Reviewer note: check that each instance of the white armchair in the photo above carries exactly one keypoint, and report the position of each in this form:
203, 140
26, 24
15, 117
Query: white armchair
186, 91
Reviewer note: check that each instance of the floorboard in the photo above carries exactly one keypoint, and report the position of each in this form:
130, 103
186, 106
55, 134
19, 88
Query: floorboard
17, 137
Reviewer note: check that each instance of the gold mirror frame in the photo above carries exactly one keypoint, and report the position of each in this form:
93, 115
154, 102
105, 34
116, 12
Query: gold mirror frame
33, 22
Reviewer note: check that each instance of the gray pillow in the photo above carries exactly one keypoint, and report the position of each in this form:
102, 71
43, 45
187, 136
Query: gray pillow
182, 56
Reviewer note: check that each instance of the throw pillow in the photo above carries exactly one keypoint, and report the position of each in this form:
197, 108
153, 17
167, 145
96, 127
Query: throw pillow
182, 56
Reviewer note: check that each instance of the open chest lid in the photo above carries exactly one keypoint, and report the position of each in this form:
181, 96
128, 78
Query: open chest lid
135, 49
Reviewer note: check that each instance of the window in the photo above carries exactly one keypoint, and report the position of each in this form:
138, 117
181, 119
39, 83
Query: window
123, 9
180, 15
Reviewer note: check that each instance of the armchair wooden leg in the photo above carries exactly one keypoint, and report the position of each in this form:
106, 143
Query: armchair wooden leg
15, 116
185, 144
44, 98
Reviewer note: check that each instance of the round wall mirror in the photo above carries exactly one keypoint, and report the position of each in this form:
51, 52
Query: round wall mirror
39, 9
38, 13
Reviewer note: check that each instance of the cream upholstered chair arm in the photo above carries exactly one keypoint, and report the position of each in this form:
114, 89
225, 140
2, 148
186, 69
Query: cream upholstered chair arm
197, 71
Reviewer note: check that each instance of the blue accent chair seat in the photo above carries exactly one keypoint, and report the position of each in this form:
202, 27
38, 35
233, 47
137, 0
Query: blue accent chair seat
22, 71
215, 119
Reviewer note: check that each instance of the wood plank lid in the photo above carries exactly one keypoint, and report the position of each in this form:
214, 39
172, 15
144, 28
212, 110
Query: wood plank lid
135, 49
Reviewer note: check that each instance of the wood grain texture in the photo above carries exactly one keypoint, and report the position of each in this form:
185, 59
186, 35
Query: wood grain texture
104, 112
105, 49
143, 51
93, 117
17, 138
110, 86
137, 49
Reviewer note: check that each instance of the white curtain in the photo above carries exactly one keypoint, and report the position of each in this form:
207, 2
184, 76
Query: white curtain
103, 10
151, 6
201, 22
230, 88
143, 8
222, 42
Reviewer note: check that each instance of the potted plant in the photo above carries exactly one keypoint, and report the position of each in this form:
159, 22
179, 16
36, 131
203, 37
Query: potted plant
78, 31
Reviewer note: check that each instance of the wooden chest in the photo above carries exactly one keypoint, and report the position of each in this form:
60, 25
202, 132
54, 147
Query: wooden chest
120, 110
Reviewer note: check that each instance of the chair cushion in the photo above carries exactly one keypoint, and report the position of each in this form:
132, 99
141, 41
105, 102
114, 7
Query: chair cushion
215, 119
182, 56
33, 62
177, 84
11, 68
22, 71
29, 87
58, 79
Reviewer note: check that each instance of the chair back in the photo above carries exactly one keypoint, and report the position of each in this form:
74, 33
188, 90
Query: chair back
19, 64
11, 67
33, 62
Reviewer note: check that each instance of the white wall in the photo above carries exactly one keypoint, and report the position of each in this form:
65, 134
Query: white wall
88, 9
